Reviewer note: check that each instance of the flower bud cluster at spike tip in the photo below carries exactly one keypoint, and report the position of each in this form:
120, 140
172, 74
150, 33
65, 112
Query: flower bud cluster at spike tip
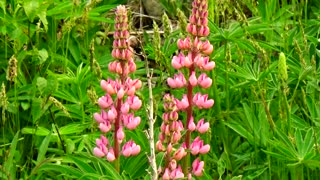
192, 63
121, 47
119, 102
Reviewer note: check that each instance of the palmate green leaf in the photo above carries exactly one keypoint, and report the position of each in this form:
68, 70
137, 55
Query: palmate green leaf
305, 145
112, 173
43, 148
237, 127
299, 123
245, 72
136, 165
255, 174
68, 171
9, 165
82, 164
286, 142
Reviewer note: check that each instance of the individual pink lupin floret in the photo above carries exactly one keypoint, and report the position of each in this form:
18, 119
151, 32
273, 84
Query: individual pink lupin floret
105, 101
204, 81
120, 135
197, 167
134, 102
177, 173
184, 44
178, 81
206, 48
202, 126
166, 174
130, 149
105, 127
178, 61
193, 79
130, 121
191, 125
201, 101
183, 104
110, 156
198, 147
101, 150
180, 153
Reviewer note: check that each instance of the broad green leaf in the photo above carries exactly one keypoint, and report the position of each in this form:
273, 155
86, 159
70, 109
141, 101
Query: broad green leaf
3, 6
41, 84
43, 55
31, 7
43, 148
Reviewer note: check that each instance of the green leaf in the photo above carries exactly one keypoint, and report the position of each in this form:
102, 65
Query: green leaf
41, 84
3, 6
240, 130
73, 128
82, 164
308, 143
107, 166
9, 165
31, 7
43, 55
40, 131
64, 169
43, 148
36, 109
299, 142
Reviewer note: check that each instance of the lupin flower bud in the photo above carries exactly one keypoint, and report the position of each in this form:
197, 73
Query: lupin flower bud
119, 102
282, 72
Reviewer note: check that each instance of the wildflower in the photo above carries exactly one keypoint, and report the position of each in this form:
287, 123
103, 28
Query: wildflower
119, 102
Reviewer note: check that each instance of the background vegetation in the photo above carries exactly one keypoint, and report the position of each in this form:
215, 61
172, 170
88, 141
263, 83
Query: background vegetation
263, 125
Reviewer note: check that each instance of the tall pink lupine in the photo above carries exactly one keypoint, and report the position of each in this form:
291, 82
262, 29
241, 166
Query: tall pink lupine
193, 56
119, 102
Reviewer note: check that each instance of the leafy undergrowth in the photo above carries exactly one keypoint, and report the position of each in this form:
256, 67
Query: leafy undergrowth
263, 125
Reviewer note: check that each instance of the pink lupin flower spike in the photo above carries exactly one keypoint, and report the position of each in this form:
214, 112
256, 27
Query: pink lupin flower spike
192, 62
119, 102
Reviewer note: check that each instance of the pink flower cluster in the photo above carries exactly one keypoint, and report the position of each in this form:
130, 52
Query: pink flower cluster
193, 57
119, 102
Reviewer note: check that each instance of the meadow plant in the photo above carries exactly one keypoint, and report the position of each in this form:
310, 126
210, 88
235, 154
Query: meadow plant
119, 102
191, 62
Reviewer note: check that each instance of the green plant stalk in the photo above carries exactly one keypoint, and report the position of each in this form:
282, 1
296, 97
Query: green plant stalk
294, 93
269, 117
226, 77
57, 129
